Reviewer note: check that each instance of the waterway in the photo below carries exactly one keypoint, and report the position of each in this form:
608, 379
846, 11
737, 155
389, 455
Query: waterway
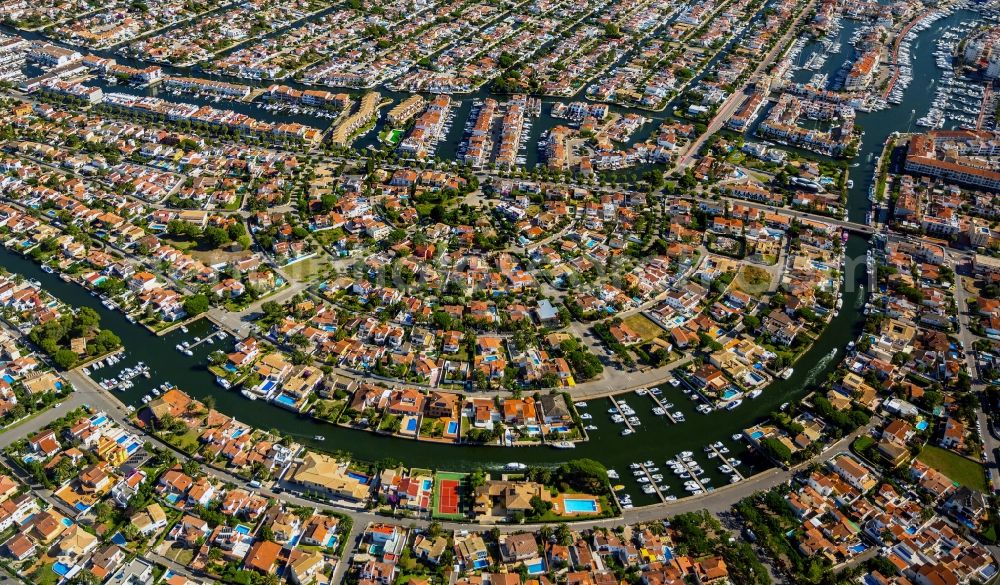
655, 440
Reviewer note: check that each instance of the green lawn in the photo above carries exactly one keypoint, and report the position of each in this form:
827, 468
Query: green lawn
959, 469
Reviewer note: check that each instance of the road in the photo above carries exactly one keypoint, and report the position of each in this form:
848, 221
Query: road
860, 228
968, 339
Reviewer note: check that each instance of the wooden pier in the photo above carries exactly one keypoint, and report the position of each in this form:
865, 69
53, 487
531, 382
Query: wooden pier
621, 413
726, 461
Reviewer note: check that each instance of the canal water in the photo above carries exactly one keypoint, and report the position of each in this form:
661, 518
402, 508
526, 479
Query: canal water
655, 440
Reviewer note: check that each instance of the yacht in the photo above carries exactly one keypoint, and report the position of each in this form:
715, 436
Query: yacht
515, 466
627, 432
319, 438
755, 393
580, 404
564, 445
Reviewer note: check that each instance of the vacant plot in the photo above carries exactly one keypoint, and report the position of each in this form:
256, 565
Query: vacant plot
752, 280
643, 326
959, 469
306, 270
179, 554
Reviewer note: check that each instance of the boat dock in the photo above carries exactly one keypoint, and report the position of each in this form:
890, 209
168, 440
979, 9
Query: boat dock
652, 482
659, 404
210, 338
690, 471
621, 413
726, 461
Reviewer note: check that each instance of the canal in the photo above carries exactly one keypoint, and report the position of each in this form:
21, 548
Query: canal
655, 440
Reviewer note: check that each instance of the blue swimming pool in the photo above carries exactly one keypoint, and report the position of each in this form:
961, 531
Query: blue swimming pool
242, 529
574, 505
172, 498
81, 507
411, 425
536, 567
922, 425
67, 522
61, 569
729, 394
757, 435
357, 476
427, 483
285, 400
480, 563
98, 421
452, 427
267, 386
8, 379
858, 548
119, 539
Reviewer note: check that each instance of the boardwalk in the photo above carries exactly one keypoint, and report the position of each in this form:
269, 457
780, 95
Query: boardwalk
649, 475
725, 460
621, 412
663, 406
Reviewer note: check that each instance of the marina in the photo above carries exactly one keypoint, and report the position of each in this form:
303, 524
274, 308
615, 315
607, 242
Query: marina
606, 442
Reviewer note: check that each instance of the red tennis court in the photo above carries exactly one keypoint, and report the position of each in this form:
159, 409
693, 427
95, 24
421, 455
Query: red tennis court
448, 496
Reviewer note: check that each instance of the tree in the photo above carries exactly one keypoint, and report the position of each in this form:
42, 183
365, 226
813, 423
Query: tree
216, 236
196, 304
64, 359
776, 449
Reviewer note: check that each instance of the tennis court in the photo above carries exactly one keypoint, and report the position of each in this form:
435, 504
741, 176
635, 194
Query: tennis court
448, 495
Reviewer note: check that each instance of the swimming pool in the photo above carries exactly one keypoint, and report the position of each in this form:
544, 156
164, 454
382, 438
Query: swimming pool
98, 421
575, 505
61, 569
427, 483
480, 563
242, 529
411, 425
67, 522
729, 394
922, 425
757, 435
452, 427
536, 567
285, 400
358, 476
858, 548
267, 386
